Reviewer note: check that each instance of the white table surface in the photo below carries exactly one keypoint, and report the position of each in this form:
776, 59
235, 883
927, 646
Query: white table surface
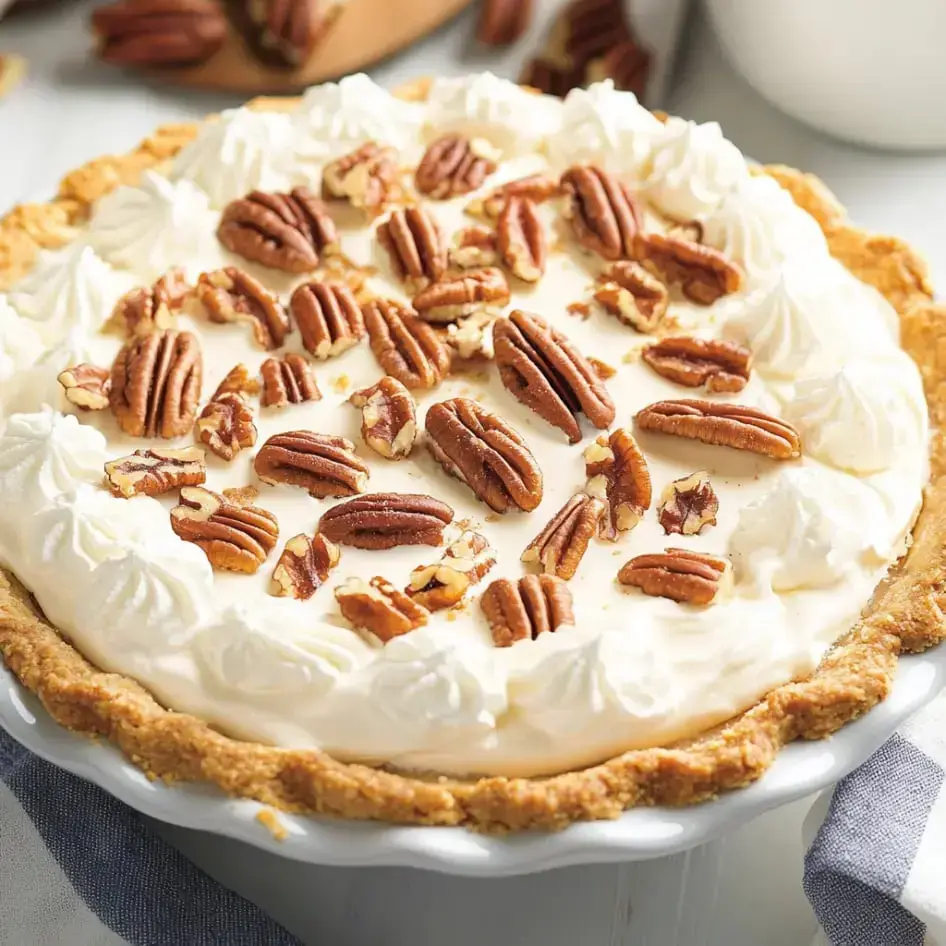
744, 891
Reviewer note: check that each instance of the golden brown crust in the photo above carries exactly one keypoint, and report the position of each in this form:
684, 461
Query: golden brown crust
905, 615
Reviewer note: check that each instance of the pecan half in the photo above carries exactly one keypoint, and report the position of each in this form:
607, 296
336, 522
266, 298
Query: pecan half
155, 384
386, 520
407, 348
154, 471
159, 32
388, 418
724, 425
414, 243
481, 450
678, 574
323, 464
235, 537
329, 318
283, 231
688, 505
721, 366
87, 386
225, 425
238, 380
455, 298
560, 546
475, 248
521, 239
502, 22
465, 562
617, 473
291, 28
377, 606
630, 293
536, 188
454, 165
604, 215
155, 308
704, 274
365, 177
541, 368
303, 567
231, 295
523, 610
288, 380
626, 64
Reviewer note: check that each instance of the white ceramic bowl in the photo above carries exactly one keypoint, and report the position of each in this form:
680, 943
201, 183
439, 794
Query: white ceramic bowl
871, 71
802, 768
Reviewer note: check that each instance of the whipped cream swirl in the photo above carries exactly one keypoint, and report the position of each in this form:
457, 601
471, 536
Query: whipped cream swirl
20, 344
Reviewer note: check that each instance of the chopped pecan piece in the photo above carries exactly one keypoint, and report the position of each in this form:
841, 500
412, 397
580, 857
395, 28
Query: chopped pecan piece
288, 380
704, 274
521, 239
414, 243
688, 505
462, 565
724, 425
153, 309
604, 215
303, 567
602, 369
472, 339
283, 231
407, 348
678, 574
87, 386
502, 22
617, 473
386, 520
455, 298
721, 366
541, 368
454, 165
230, 295
536, 188
323, 464
366, 177
226, 425
329, 318
633, 295
154, 471
377, 606
626, 64
291, 28
476, 248
235, 537
560, 546
238, 380
155, 384
482, 450
523, 610
388, 418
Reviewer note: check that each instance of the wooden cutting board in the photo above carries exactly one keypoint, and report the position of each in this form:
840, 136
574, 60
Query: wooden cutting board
365, 32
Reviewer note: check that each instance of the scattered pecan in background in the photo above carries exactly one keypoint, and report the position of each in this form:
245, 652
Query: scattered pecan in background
454, 165
481, 450
626, 63
12, 72
720, 365
535, 187
617, 473
521, 239
238, 380
704, 274
413, 241
523, 610
502, 22
289, 232
235, 537
550, 77
689, 577
587, 29
387, 520
688, 505
723, 425
541, 368
604, 215
290, 28
154, 471
155, 384
630, 293
154, 308
288, 380
225, 425
388, 418
367, 177
465, 562
329, 318
323, 464
377, 606
87, 386
407, 348
303, 567
159, 32
474, 248
231, 295
560, 546
457, 297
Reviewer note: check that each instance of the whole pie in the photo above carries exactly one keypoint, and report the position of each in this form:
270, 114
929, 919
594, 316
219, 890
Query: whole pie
464, 457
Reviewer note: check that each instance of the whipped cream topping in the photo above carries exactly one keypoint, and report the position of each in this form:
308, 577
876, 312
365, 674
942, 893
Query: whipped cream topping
809, 539
20, 343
